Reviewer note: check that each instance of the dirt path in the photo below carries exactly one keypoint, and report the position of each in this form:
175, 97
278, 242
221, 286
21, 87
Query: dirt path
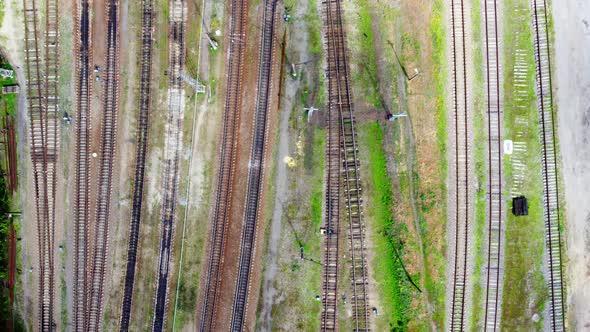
572, 65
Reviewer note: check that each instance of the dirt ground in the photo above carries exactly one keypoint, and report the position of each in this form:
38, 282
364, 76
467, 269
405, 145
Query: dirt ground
572, 65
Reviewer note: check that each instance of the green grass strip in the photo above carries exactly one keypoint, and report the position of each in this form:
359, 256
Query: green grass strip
393, 285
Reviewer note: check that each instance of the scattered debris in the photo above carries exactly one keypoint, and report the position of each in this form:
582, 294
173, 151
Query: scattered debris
310, 111
520, 206
6, 73
67, 118
8, 89
508, 146
200, 88
213, 44
375, 312
392, 117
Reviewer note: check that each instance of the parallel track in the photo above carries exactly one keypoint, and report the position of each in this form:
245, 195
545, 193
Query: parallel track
549, 162
256, 170
82, 186
227, 153
140, 155
105, 177
495, 212
341, 114
173, 146
461, 111
42, 98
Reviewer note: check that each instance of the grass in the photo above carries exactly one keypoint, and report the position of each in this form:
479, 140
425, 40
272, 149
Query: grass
388, 234
524, 282
312, 17
63, 291
362, 43
438, 35
436, 288
479, 155
1, 12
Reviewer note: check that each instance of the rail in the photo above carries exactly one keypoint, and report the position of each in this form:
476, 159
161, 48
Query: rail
173, 146
256, 169
140, 155
495, 213
43, 160
107, 156
341, 114
82, 196
549, 159
227, 159
461, 183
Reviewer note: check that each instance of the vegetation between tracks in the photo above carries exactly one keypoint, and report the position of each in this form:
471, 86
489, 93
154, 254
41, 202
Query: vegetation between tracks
479, 156
418, 169
525, 289
388, 234
298, 308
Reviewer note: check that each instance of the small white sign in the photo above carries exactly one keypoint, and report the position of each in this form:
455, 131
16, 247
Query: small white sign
508, 146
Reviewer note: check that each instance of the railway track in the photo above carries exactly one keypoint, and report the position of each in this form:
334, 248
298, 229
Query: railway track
256, 169
42, 98
82, 185
495, 212
460, 178
227, 153
342, 121
107, 156
173, 146
140, 155
551, 207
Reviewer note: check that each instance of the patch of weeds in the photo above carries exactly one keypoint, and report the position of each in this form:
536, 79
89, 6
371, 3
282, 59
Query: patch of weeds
392, 282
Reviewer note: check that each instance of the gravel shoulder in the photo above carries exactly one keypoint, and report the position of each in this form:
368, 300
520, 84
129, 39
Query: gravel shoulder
572, 64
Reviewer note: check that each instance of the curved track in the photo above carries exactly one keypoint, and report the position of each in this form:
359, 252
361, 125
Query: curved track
549, 163
140, 154
173, 146
227, 153
256, 170
342, 121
